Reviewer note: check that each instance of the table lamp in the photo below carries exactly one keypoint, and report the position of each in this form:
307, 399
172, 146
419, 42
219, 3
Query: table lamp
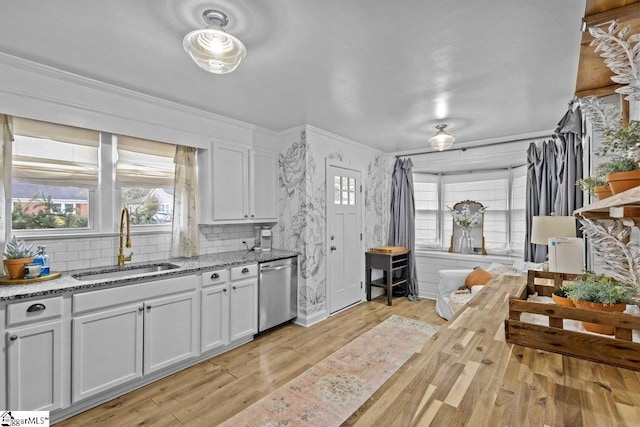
545, 227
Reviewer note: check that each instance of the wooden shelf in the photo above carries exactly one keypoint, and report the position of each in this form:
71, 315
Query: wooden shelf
621, 205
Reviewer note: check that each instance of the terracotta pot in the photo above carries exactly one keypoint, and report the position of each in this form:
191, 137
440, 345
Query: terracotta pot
562, 301
596, 306
15, 267
623, 181
602, 191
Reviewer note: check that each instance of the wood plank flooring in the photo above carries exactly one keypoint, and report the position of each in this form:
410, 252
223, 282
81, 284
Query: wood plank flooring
218, 388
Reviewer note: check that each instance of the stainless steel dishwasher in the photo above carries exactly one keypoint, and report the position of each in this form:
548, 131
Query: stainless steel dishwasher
277, 292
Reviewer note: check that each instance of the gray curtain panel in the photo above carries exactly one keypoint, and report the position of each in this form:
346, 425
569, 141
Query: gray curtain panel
402, 230
552, 171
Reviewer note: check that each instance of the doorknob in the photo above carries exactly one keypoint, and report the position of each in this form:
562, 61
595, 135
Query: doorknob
333, 248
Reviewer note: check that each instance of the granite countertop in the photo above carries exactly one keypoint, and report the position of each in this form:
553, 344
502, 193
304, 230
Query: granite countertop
66, 283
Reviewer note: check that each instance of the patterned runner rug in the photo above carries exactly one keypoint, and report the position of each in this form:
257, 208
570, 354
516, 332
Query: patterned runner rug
329, 392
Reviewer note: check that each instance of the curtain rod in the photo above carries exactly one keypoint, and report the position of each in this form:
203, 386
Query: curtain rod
553, 136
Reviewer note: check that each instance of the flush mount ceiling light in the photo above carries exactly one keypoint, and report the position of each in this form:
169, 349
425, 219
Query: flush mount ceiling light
441, 140
213, 49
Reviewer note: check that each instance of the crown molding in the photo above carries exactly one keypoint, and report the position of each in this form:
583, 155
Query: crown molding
346, 140
58, 74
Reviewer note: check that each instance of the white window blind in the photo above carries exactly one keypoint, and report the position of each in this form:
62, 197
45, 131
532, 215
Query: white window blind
488, 188
425, 189
47, 153
518, 210
144, 163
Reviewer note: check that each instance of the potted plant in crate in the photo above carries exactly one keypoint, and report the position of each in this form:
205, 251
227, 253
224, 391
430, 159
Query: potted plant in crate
591, 291
17, 254
559, 296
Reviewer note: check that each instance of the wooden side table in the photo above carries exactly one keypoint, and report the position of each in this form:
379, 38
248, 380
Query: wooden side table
388, 263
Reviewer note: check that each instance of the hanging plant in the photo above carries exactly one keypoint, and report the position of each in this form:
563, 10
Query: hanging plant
621, 53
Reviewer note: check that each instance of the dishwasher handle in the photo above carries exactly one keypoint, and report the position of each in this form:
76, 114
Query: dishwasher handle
281, 267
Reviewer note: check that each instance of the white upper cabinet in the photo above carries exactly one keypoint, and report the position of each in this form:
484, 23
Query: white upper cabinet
237, 184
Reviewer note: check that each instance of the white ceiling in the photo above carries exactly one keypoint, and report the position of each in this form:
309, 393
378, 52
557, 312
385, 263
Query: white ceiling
380, 72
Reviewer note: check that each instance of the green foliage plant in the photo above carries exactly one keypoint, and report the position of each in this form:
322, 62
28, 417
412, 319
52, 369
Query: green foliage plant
562, 290
590, 183
602, 289
17, 249
621, 140
616, 164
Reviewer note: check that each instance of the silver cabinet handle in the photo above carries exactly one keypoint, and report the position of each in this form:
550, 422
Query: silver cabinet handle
252, 215
215, 276
246, 216
333, 248
245, 270
224, 289
234, 288
140, 308
36, 307
13, 337
148, 307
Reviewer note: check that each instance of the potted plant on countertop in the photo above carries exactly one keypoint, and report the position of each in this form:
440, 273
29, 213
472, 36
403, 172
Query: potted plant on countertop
591, 291
17, 254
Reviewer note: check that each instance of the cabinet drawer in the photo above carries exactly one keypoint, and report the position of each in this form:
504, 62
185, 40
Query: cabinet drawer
244, 271
34, 310
215, 277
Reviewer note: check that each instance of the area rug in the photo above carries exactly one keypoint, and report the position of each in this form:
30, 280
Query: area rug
329, 392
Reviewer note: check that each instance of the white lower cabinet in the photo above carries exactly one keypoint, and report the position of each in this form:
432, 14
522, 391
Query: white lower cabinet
34, 367
229, 306
170, 331
36, 357
131, 339
215, 317
106, 350
243, 308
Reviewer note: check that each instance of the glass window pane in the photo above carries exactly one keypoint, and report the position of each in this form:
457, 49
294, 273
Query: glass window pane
37, 207
345, 183
352, 197
345, 197
149, 205
336, 182
336, 199
352, 184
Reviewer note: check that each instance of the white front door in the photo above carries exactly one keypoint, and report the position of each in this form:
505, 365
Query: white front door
344, 233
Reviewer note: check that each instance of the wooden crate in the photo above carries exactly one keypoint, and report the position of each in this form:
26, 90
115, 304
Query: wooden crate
618, 350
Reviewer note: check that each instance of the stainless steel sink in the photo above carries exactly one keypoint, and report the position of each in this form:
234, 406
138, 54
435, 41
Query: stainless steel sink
115, 272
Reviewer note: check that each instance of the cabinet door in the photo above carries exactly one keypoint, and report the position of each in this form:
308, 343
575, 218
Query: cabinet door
230, 183
215, 318
264, 186
170, 331
107, 350
34, 366
244, 309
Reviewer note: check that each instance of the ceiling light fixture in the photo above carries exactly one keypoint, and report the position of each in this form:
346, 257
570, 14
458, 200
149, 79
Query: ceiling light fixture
441, 140
213, 49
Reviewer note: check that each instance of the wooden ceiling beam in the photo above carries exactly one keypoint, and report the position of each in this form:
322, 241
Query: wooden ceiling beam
626, 13
599, 92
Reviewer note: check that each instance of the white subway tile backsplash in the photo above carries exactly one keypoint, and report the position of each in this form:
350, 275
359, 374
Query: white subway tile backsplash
93, 252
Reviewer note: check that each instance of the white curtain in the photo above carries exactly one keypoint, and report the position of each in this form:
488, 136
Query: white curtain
184, 239
6, 137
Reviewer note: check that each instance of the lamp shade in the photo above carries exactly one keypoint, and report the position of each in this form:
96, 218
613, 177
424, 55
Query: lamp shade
544, 227
213, 49
441, 140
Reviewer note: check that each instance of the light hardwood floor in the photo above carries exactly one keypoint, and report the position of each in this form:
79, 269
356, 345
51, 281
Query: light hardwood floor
218, 388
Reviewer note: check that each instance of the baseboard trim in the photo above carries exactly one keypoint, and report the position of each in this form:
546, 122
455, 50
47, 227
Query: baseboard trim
312, 319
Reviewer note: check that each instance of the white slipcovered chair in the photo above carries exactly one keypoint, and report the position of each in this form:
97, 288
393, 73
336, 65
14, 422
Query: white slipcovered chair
449, 281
